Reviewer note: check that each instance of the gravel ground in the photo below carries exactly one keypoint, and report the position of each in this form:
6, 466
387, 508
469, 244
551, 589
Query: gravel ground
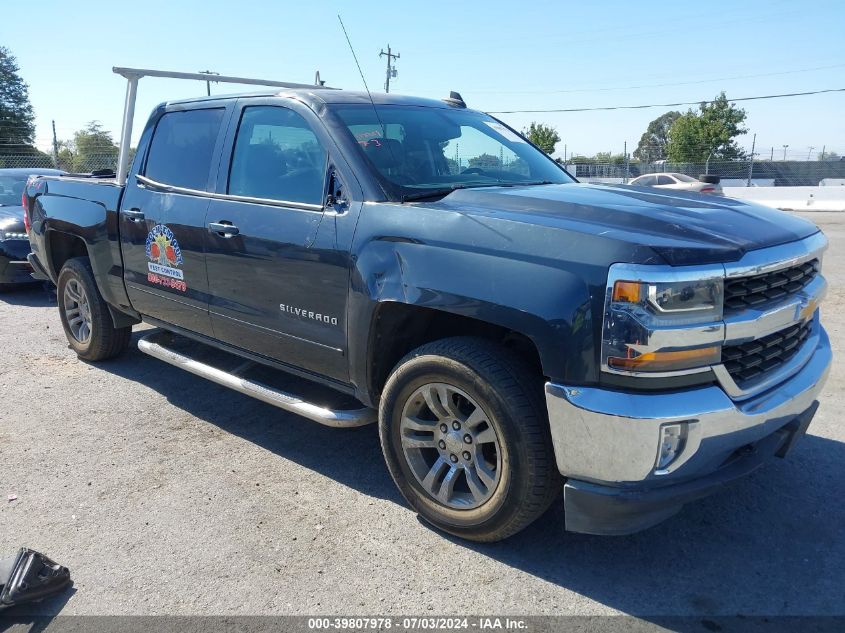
166, 494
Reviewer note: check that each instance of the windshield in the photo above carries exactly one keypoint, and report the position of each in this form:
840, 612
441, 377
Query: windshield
11, 188
417, 151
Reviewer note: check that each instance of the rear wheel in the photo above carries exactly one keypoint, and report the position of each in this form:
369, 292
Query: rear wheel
464, 432
85, 315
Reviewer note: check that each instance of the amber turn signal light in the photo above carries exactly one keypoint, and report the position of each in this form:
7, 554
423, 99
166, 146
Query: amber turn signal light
668, 361
628, 291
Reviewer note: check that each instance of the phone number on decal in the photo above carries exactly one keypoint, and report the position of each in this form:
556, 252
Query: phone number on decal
382, 624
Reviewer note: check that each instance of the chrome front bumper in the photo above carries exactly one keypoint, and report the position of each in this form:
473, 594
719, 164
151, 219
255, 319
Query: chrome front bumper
612, 438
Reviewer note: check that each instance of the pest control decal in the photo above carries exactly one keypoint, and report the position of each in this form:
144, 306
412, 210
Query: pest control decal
165, 258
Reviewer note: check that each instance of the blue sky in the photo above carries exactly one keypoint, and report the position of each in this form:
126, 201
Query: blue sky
499, 55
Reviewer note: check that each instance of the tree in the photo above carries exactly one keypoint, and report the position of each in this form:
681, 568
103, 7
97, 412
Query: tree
486, 161
828, 155
652, 145
17, 121
92, 148
709, 133
543, 136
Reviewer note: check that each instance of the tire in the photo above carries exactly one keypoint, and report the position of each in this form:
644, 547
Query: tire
468, 375
90, 331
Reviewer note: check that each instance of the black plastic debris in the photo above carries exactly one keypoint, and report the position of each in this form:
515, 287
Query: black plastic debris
30, 576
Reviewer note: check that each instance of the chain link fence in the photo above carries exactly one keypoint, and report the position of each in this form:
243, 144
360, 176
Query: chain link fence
732, 173
74, 164
739, 173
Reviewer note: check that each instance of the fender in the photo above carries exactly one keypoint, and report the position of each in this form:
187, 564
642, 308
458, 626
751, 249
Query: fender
535, 296
57, 211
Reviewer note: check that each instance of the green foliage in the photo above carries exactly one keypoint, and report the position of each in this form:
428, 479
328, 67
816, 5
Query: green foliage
92, 148
709, 133
653, 142
17, 121
601, 158
486, 161
543, 136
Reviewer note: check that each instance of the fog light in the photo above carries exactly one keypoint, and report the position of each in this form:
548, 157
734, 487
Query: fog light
673, 437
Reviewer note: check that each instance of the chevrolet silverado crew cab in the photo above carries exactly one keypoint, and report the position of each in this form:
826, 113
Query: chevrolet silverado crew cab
514, 333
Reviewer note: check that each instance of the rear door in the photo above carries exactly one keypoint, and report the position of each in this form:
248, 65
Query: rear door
277, 276
162, 218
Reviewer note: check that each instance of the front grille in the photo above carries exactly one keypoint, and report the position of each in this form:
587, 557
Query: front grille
751, 360
747, 292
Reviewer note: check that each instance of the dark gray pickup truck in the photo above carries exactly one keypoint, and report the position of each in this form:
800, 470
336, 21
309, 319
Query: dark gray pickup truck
514, 333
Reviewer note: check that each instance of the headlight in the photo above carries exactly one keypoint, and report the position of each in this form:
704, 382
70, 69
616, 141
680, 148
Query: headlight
12, 235
669, 325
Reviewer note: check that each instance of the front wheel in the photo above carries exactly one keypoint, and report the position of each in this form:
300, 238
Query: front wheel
465, 435
85, 315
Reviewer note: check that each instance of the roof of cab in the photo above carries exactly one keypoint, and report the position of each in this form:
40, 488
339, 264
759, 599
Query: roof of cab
318, 96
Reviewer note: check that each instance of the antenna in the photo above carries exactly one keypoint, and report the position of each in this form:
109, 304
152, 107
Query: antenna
373, 103
360, 72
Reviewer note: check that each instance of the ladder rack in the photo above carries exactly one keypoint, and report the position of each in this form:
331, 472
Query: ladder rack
132, 75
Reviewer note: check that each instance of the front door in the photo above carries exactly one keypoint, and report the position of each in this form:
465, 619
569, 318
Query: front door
162, 223
278, 283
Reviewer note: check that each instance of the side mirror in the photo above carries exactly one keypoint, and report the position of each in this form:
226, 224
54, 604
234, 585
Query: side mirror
336, 197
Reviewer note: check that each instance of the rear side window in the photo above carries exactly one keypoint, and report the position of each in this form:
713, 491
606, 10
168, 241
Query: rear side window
182, 148
277, 157
665, 180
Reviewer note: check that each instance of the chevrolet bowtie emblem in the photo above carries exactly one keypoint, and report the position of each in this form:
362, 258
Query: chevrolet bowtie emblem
808, 309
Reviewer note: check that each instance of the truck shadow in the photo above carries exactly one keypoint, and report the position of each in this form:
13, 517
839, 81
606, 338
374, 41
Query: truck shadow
30, 295
772, 543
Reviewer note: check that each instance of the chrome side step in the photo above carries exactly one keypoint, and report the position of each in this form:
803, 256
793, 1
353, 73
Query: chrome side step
154, 344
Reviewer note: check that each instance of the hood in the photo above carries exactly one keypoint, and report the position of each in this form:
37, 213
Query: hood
11, 217
682, 228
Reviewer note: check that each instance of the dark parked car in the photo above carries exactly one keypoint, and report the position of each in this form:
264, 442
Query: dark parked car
14, 244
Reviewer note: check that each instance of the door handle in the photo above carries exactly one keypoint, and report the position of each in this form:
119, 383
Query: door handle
224, 228
136, 215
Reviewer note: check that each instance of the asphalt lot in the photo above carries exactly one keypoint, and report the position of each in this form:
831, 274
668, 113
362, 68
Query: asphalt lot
166, 494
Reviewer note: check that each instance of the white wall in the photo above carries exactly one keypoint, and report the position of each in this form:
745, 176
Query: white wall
792, 198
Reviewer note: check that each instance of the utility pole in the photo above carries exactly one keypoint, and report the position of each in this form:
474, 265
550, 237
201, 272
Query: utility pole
208, 81
55, 146
772, 157
784, 152
824, 147
391, 69
751, 164
564, 153
627, 164
810, 148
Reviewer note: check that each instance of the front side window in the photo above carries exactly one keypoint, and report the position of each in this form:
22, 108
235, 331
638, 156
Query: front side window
416, 151
277, 157
183, 146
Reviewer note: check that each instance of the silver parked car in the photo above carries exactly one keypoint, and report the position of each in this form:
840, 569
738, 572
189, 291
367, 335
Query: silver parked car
680, 182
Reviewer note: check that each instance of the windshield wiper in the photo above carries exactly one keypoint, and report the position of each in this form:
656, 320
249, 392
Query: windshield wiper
433, 193
445, 191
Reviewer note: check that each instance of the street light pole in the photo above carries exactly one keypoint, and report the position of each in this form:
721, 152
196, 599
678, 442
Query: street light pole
784, 152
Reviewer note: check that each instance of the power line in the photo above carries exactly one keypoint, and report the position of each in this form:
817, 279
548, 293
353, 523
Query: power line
667, 105
660, 85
